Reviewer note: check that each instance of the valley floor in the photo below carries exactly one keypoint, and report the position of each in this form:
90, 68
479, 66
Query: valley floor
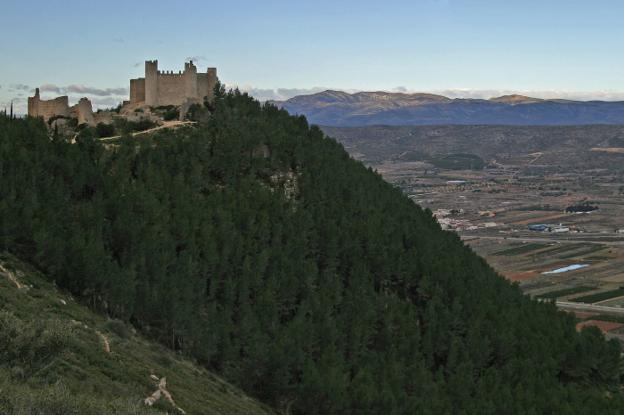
531, 181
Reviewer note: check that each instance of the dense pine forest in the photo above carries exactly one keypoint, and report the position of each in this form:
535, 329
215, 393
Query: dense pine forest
255, 245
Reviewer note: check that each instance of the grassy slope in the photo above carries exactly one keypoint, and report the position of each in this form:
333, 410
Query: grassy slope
80, 377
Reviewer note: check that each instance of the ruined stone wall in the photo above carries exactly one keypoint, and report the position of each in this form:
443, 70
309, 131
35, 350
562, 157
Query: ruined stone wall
137, 90
83, 110
48, 108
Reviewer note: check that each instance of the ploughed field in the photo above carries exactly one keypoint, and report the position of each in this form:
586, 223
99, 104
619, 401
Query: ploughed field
491, 183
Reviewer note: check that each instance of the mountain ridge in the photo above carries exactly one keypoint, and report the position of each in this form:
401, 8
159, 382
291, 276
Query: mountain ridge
343, 109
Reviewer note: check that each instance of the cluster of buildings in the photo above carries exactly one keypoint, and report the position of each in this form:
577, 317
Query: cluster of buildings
157, 88
560, 228
448, 221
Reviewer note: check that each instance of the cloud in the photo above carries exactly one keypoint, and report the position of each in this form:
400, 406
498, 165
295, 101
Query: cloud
196, 59
83, 90
106, 102
88, 90
20, 87
544, 94
50, 88
275, 94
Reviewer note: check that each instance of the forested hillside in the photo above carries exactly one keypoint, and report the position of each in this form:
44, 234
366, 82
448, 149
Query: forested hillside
254, 244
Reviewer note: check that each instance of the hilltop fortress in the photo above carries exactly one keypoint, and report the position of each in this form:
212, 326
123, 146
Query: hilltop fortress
156, 89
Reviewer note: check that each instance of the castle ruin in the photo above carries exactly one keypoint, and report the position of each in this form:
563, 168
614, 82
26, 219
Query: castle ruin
157, 88
59, 107
160, 88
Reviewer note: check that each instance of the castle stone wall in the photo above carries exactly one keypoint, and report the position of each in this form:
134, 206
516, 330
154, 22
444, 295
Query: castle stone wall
171, 88
84, 112
59, 107
48, 108
156, 89
203, 85
137, 90
212, 82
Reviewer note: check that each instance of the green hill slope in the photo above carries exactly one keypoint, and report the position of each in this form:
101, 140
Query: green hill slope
57, 357
254, 244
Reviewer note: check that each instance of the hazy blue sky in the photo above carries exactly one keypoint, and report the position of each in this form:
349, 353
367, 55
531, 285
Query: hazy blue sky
480, 47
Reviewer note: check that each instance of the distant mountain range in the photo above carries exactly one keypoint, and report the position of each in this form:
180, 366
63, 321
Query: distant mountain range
336, 108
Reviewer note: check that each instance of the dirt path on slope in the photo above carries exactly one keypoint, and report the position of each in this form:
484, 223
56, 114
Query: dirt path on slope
165, 125
11, 277
105, 342
162, 391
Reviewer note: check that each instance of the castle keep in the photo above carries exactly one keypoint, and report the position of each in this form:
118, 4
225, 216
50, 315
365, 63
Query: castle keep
169, 88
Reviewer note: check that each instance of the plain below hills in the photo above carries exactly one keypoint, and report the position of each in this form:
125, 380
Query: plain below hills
336, 108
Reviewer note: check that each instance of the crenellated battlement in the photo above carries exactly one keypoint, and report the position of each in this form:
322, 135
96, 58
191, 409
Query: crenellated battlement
171, 73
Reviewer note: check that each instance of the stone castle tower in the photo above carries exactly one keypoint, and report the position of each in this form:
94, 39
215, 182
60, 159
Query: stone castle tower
169, 88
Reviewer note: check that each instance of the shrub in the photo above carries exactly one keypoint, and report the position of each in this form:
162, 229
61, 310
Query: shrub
104, 130
85, 132
171, 114
167, 112
197, 113
30, 345
56, 117
126, 127
119, 328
